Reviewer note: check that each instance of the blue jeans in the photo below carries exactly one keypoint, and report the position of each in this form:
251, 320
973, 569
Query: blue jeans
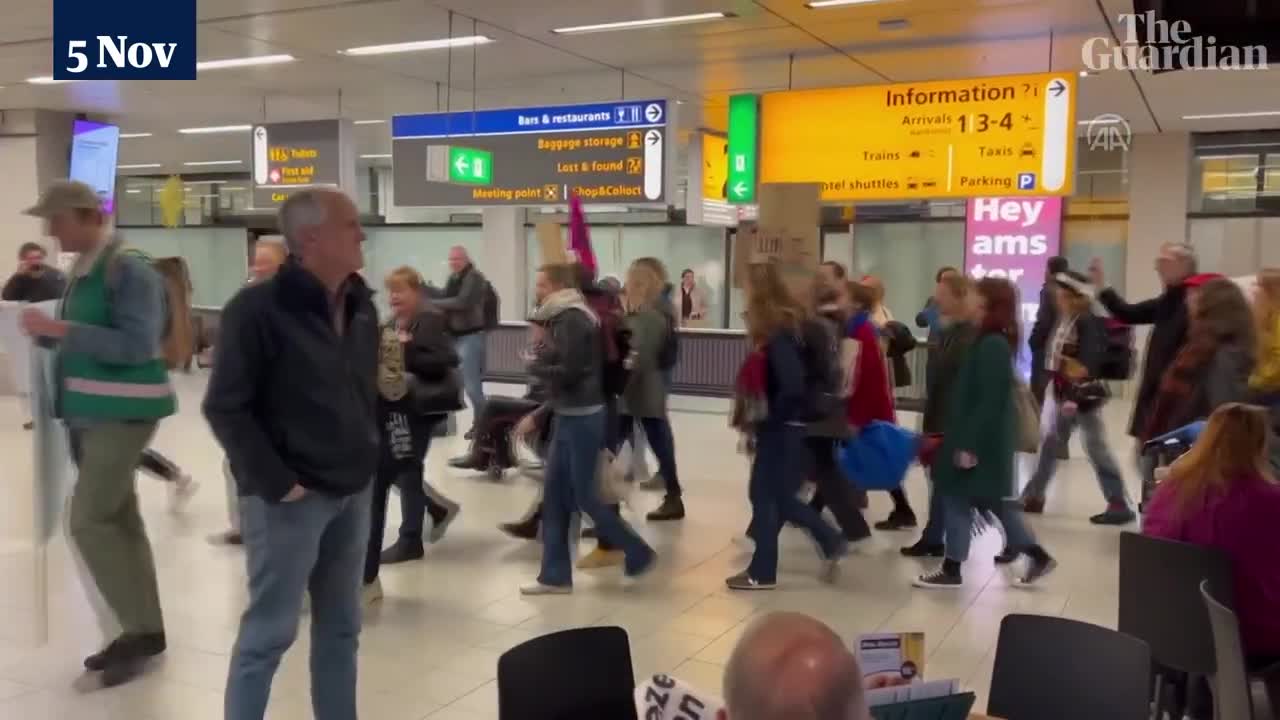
316, 544
572, 462
472, 354
776, 473
935, 527
1095, 446
959, 525
657, 431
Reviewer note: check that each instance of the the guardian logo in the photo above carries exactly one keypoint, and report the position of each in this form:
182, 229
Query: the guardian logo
134, 40
1154, 45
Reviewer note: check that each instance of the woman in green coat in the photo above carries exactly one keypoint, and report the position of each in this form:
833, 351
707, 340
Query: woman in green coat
973, 470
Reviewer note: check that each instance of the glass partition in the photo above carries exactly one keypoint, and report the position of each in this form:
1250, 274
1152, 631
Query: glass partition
906, 257
679, 247
217, 258
425, 249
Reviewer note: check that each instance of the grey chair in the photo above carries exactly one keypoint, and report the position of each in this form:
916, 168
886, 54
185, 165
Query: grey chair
1232, 696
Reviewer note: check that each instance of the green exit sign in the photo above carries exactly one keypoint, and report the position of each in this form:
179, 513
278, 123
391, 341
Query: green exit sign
744, 145
470, 166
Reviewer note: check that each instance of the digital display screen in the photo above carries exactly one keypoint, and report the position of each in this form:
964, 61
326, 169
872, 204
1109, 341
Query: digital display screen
94, 150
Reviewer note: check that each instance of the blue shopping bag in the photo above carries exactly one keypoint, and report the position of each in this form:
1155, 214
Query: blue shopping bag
877, 457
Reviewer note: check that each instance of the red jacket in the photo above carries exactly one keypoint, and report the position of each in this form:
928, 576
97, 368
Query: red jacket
871, 397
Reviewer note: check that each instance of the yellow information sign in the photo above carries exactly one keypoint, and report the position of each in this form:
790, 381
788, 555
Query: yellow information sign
715, 167
1009, 135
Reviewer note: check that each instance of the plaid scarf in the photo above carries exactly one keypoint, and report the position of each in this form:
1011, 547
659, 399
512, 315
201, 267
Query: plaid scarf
750, 393
1177, 385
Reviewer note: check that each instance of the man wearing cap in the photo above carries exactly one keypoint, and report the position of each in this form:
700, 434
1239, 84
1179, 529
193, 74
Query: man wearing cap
112, 391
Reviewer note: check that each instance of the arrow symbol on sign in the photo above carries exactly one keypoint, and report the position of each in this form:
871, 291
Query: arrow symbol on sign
740, 189
653, 137
461, 164
1057, 87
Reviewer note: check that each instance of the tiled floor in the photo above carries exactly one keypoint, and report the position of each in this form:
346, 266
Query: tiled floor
431, 649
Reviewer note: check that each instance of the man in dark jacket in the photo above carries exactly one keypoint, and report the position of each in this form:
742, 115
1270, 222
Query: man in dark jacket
1167, 314
569, 362
34, 281
463, 302
293, 401
1046, 319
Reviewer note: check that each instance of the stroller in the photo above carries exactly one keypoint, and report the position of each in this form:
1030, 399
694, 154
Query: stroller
1161, 452
493, 450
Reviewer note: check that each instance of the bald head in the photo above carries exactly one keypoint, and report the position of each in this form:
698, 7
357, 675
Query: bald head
789, 666
458, 258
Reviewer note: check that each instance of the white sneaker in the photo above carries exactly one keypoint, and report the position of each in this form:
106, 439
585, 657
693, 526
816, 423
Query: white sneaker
535, 588
371, 593
181, 491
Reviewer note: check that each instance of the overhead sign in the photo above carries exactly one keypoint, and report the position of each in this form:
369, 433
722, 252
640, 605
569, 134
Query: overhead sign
744, 140
605, 152
288, 157
715, 149
1011, 135
1013, 238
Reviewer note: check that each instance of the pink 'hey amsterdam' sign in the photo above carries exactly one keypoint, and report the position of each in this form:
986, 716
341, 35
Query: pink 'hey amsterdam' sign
1013, 238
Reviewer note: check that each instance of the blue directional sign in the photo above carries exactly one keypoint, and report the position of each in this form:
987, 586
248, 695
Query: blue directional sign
556, 118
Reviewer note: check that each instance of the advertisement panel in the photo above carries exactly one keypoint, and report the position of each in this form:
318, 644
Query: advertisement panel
1013, 238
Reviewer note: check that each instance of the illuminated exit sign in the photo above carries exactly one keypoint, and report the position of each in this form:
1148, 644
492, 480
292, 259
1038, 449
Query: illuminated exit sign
744, 144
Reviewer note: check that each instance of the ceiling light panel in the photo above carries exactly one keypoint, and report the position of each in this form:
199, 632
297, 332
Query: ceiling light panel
419, 45
243, 62
643, 24
215, 129
205, 163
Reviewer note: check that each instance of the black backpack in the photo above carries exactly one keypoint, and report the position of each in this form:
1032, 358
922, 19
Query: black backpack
1117, 359
492, 306
822, 375
669, 353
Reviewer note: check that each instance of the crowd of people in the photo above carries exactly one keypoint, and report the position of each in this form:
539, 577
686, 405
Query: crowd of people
322, 408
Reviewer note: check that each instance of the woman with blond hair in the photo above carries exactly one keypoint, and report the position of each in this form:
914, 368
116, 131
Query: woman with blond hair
644, 401
418, 385
770, 411
1222, 494
1265, 380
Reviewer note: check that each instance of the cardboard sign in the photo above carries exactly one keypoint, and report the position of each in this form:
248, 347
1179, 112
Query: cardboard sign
789, 233
551, 243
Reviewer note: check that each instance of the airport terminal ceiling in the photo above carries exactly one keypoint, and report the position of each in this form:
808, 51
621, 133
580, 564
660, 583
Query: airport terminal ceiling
523, 56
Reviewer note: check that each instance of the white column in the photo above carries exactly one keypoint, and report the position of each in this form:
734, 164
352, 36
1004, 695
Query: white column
1159, 173
505, 259
35, 149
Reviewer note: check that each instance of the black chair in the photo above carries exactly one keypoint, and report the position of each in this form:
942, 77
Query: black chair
579, 674
1160, 604
1232, 696
1051, 668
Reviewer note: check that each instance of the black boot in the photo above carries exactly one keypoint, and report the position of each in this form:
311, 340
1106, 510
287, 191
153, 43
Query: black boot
526, 529
138, 647
403, 551
898, 520
672, 508
470, 461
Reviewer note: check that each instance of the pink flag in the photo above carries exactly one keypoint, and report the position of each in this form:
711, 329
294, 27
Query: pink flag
580, 235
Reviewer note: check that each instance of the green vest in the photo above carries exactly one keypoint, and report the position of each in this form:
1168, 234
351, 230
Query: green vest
97, 390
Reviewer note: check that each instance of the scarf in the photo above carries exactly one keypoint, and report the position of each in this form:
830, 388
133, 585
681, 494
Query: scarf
1177, 385
560, 301
750, 393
